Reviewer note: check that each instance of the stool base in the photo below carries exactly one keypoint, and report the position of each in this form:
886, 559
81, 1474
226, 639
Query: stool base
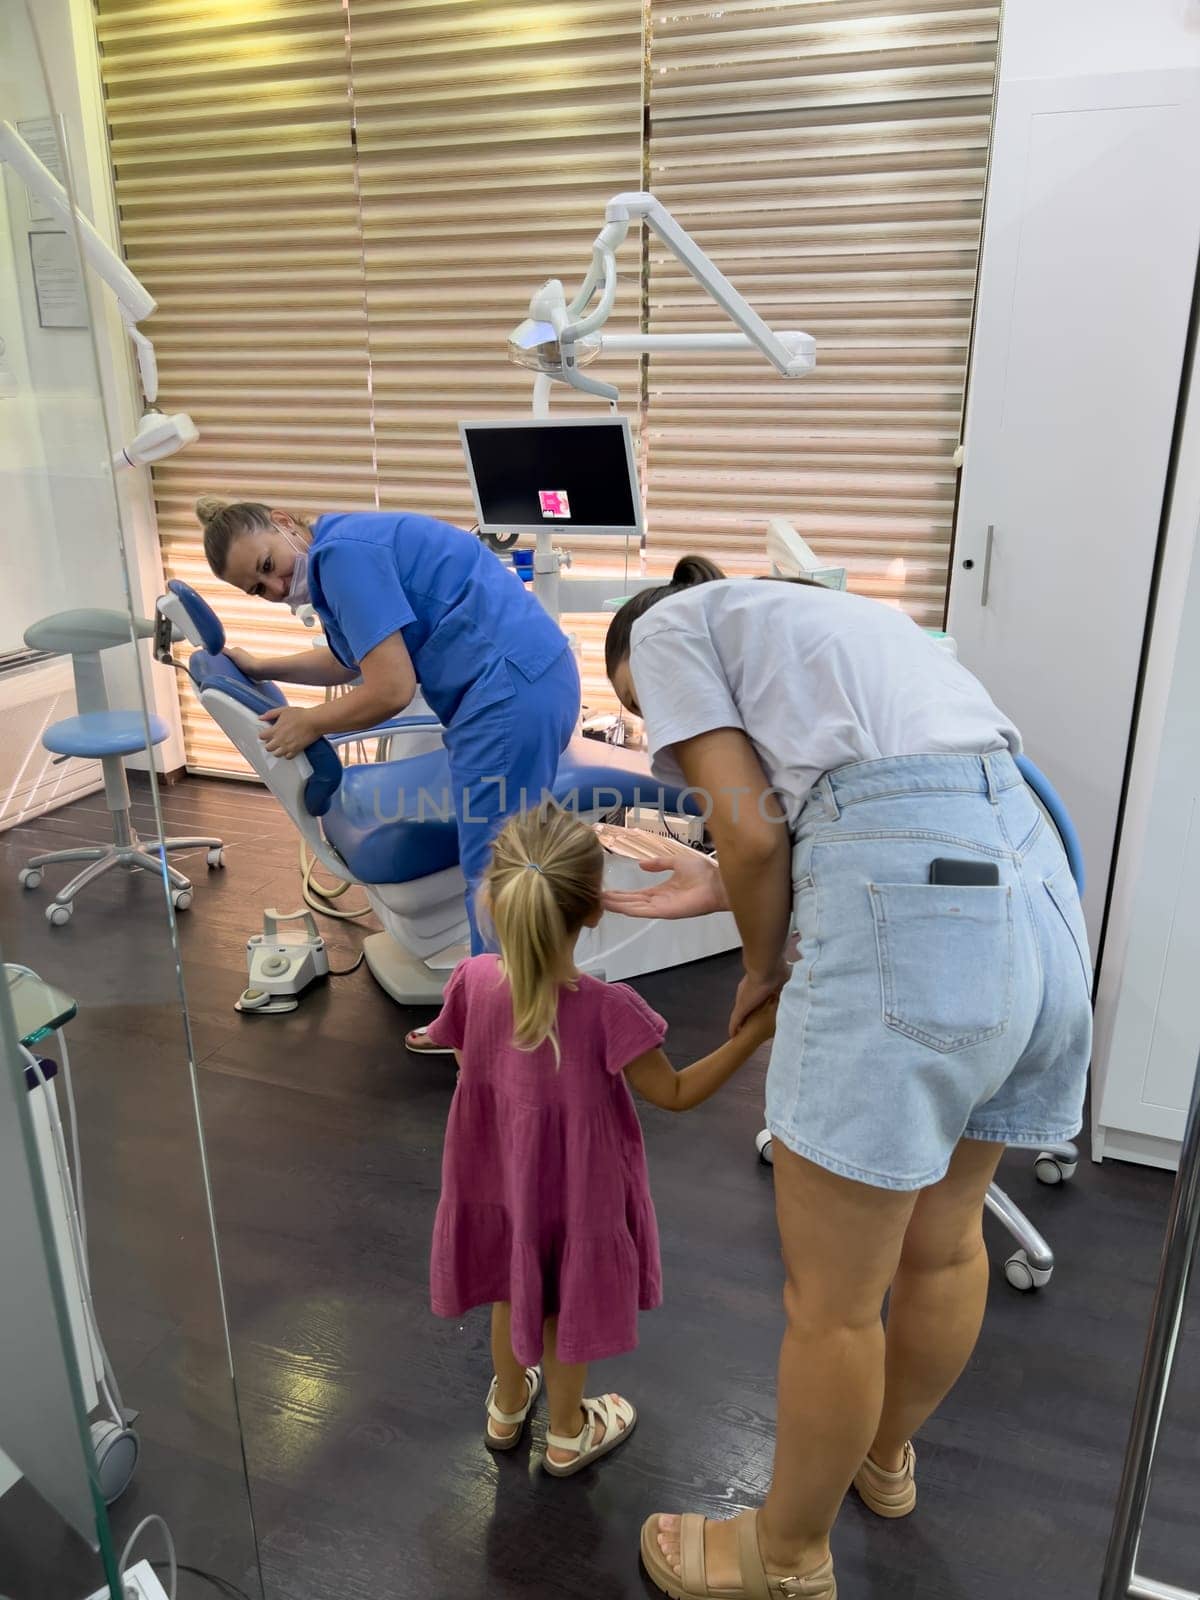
127, 851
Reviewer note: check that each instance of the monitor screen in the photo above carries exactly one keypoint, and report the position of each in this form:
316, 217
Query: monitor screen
576, 475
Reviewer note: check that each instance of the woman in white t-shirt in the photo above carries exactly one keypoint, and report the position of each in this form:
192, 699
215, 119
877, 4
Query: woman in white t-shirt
861, 791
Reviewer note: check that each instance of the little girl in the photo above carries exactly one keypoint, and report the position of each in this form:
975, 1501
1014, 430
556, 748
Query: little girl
545, 1211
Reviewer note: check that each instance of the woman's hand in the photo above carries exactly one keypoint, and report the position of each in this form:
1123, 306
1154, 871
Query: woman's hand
755, 991
244, 661
290, 730
760, 1025
693, 889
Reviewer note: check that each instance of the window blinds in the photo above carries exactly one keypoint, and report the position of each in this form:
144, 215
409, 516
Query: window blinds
231, 146
830, 156
342, 210
490, 137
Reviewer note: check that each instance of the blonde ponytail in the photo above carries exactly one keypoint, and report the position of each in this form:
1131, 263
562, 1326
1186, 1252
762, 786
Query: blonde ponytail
543, 882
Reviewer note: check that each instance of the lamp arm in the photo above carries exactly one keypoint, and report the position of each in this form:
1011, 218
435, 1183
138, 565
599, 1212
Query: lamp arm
157, 436
788, 355
136, 300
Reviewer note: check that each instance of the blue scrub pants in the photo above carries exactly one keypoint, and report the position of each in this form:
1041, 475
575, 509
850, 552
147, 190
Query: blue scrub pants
502, 758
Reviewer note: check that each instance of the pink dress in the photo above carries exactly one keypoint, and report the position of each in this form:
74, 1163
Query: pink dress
545, 1194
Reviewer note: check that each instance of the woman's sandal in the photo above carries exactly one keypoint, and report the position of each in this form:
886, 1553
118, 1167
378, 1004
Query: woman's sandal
889, 1494
514, 1419
419, 1042
691, 1583
617, 1419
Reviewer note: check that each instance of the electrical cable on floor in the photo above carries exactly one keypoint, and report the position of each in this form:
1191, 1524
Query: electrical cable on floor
317, 896
344, 972
170, 1563
222, 1585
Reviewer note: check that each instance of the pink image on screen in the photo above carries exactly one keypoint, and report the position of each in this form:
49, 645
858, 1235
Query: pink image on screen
554, 502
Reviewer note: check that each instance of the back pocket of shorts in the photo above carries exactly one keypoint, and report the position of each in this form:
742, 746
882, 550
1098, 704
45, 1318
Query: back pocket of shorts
945, 961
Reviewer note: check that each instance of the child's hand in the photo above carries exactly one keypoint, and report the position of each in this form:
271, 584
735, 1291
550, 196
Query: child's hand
760, 1024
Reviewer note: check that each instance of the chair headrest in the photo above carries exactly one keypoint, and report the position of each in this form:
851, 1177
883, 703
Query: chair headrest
208, 632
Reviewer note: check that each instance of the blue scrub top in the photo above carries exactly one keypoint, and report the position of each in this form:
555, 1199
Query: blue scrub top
465, 618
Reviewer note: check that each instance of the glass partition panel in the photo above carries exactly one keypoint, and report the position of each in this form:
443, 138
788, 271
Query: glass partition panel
116, 1380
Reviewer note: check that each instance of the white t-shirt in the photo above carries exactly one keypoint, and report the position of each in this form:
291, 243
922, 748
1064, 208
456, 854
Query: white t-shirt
815, 678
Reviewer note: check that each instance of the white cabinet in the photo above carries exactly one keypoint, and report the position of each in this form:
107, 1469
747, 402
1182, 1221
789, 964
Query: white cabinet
1089, 259
1148, 1005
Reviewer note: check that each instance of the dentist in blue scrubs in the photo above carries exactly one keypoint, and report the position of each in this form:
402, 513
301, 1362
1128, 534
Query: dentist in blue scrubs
405, 600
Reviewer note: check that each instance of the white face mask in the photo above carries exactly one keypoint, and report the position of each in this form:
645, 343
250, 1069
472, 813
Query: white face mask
298, 594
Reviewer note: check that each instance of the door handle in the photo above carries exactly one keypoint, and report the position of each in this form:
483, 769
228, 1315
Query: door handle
987, 565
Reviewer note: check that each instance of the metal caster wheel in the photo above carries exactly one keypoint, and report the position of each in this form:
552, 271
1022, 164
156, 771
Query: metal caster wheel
181, 899
30, 877
116, 1450
216, 858
59, 915
1051, 1169
764, 1145
1023, 1275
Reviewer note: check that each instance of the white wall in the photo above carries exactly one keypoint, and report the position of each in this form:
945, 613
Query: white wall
1089, 255
51, 392
1061, 38
80, 385
1147, 1025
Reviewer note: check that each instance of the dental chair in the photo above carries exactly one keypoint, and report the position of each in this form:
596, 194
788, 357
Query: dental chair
1031, 1265
386, 826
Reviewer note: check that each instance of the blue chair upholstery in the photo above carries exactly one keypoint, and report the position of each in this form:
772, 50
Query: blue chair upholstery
93, 734
1059, 815
205, 620
395, 821
209, 671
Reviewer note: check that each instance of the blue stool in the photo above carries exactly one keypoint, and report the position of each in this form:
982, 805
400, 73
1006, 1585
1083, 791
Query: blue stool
98, 733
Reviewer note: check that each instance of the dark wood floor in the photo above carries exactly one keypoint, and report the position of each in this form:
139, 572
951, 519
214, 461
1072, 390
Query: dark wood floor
362, 1414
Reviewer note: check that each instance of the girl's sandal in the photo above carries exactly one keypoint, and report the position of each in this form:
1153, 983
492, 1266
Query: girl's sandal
617, 1419
514, 1420
691, 1582
419, 1042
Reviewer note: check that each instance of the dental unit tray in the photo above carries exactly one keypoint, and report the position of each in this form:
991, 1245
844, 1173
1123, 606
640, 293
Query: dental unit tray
283, 962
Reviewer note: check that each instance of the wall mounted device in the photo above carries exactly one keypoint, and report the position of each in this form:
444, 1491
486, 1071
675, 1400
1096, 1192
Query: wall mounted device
157, 435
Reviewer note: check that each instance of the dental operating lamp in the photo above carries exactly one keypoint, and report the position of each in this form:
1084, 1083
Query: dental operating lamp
558, 339
157, 435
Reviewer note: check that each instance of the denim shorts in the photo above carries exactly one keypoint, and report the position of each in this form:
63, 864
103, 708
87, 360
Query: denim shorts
922, 1014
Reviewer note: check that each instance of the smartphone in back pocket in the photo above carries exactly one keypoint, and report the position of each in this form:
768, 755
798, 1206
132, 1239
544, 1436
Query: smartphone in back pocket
969, 874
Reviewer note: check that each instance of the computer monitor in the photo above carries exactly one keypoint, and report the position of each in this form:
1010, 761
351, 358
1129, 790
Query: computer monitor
564, 474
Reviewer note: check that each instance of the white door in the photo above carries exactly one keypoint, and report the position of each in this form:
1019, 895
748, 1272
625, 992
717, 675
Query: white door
1089, 262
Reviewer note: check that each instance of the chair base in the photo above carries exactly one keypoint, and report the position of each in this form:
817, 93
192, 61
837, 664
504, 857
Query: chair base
408, 979
127, 850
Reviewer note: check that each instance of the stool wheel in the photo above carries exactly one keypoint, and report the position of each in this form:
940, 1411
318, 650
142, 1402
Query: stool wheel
30, 877
1023, 1275
181, 899
59, 915
216, 858
1052, 1169
764, 1144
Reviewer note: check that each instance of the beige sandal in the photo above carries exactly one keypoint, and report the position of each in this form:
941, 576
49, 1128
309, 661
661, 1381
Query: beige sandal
889, 1494
691, 1583
511, 1419
419, 1042
617, 1419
